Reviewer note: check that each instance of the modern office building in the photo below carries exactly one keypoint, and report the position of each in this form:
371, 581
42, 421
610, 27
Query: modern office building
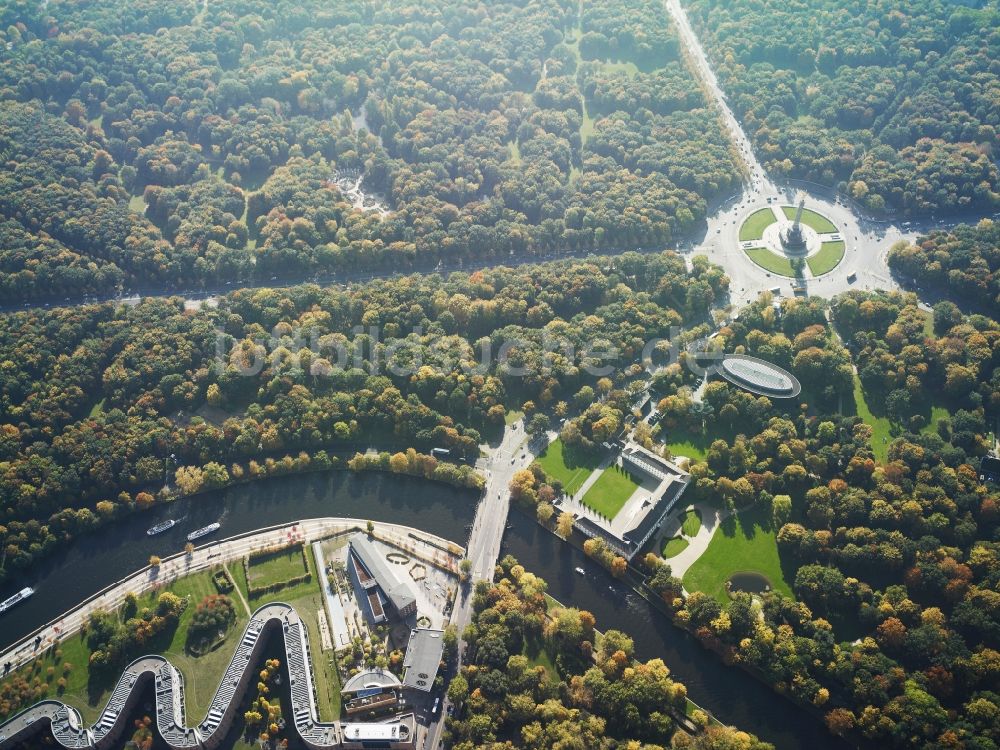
377, 582
372, 691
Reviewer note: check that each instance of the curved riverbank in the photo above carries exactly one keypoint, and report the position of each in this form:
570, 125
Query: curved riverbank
732, 696
426, 546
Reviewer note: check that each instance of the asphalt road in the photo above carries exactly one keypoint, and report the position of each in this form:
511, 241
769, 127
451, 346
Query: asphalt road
867, 242
514, 452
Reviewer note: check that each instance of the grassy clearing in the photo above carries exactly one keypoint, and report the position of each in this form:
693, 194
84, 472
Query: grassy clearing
691, 524
937, 412
622, 66
753, 228
586, 125
538, 656
675, 546
829, 256
515, 152
572, 475
928, 323
771, 261
136, 204
811, 219
610, 492
281, 566
743, 543
693, 444
97, 408
881, 426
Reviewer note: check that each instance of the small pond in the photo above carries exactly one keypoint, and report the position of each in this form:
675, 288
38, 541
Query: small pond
749, 581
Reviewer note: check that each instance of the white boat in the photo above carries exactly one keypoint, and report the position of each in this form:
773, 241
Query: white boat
581, 571
203, 531
161, 527
20, 596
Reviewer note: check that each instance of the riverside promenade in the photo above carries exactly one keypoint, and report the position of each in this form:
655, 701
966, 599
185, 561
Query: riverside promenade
428, 547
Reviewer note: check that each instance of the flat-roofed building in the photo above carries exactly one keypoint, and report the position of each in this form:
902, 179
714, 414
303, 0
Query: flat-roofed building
374, 576
399, 734
423, 658
371, 691
758, 376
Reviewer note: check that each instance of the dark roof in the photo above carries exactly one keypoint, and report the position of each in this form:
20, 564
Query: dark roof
591, 528
422, 659
395, 590
635, 535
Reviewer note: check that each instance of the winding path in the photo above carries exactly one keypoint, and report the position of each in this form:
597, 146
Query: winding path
711, 518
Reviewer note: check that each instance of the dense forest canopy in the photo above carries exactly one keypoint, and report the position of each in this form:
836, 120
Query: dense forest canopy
150, 146
897, 99
596, 695
96, 398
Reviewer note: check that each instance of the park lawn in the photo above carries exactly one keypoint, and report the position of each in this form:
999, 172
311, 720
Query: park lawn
537, 653
937, 412
692, 523
610, 492
742, 543
755, 224
622, 66
675, 546
883, 431
553, 462
928, 323
308, 601
771, 261
811, 219
278, 567
515, 152
829, 256
512, 416
586, 124
690, 443
881, 426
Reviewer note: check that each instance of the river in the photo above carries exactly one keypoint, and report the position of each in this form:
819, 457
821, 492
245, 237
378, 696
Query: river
93, 562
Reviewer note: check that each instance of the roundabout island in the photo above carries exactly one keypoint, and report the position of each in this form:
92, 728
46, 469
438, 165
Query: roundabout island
792, 241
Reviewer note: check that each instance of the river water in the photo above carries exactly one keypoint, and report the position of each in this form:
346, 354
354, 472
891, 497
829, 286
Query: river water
92, 563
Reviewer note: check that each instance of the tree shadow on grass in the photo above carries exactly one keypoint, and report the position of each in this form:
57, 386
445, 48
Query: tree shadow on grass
576, 458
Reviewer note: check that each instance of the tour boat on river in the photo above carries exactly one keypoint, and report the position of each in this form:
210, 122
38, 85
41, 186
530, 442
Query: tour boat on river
20, 596
161, 527
203, 531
